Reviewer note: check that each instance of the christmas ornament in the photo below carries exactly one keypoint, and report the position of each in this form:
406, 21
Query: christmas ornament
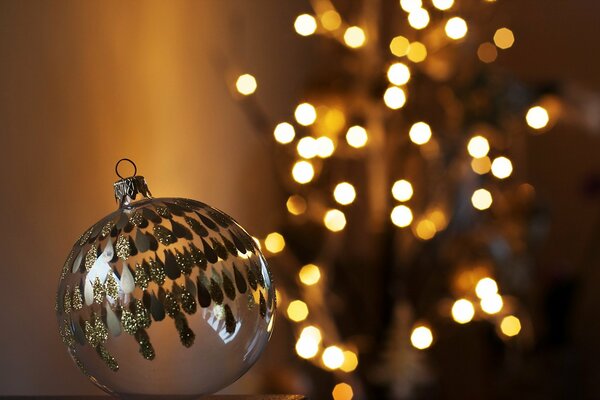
164, 296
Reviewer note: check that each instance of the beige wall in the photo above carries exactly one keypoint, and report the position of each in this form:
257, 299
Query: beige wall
85, 83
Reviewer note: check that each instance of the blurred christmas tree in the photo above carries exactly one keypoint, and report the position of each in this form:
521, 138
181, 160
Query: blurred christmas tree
408, 219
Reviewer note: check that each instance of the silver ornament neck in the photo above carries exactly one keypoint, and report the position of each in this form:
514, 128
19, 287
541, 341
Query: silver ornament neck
128, 189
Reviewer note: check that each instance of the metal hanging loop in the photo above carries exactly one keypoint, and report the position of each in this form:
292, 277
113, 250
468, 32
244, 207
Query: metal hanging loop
119, 162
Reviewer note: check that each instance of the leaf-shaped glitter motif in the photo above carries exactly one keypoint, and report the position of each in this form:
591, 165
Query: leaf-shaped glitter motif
184, 261
128, 321
90, 257
180, 231
146, 349
175, 209
164, 235
210, 254
157, 270
219, 249
127, 281
141, 273
67, 301
142, 316
99, 291
238, 243
208, 222
186, 335
163, 212
203, 294
229, 320
106, 229
77, 300
196, 227
108, 359
228, 287
215, 291
88, 292
123, 249
151, 215
251, 278
95, 331
138, 219
262, 306
114, 325
132, 247
156, 308
111, 286
218, 217
198, 256
171, 268
229, 245
171, 305
84, 238
153, 243
188, 303
240, 282
257, 273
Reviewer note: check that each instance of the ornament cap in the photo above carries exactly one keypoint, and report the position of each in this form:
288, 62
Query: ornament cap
127, 189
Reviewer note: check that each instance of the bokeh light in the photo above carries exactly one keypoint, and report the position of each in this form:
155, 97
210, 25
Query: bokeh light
334, 220
486, 287
417, 52
401, 216
303, 172
502, 167
307, 147
487, 52
481, 199
425, 229
481, 165
309, 274
331, 20
305, 114
420, 133
333, 357
296, 205
399, 46
324, 146
284, 133
394, 97
342, 391
537, 117
307, 347
504, 38
456, 28
463, 311
344, 193
492, 304
443, 4
350, 361
297, 310
402, 190
246, 84
410, 5
421, 337
418, 18
398, 73
354, 37
305, 25
274, 242
357, 136
478, 147
510, 326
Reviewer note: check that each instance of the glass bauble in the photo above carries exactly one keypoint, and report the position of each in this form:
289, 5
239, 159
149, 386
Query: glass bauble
164, 297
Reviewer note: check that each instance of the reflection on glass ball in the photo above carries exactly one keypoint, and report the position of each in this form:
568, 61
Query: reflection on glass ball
165, 297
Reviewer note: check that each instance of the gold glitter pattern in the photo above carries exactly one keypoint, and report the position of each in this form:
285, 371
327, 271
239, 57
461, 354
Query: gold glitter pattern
67, 301
186, 335
188, 303
66, 334
96, 332
106, 229
184, 261
171, 305
84, 238
99, 291
157, 271
164, 235
138, 319
111, 286
163, 211
146, 349
107, 358
141, 276
77, 300
136, 218
90, 257
123, 249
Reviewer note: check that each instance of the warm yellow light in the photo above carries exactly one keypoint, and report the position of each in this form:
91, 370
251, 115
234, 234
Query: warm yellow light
502, 168
486, 287
504, 38
421, 337
342, 391
487, 52
401, 216
344, 193
420, 133
463, 311
313, 333
354, 37
418, 18
402, 190
481, 165
443, 4
478, 147
410, 5
284, 133
296, 205
333, 121
417, 52
394, 97
438, 218
307, 147
481, 199
324, 146
333, 357
398, 73
331, 20
306, 347
537, 117
305, 25
246, 84
305, 114
297, 311
350, 361
510, 325
456, 28
425, 229
274, 242
357, 136
334, 220
492, 304
309, 274
303, 172
399, 46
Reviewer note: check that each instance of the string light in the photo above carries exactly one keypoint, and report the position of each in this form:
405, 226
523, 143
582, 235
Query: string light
333, 357
410, 5
443, 4
418, 18
398, 73
487, 52
502, 168
305, 114
274, 242
402, 190
420, 133
425, 229
350, 361
284, 133
246, 84
357, 136
310, 274
481, 199
456, 28
334, 220
305, 25
481, 165
342, 391
303, 172
394, 97
344, 193
307, 147
401, 216
324, 146
296, 205
417, 52
331, 20
306, 347
463, 311
313, 333
478, 147
399, 46
486, 287
421, 337
537, 117
510, 326
504, 38
354, 37
297, 311
492, 304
